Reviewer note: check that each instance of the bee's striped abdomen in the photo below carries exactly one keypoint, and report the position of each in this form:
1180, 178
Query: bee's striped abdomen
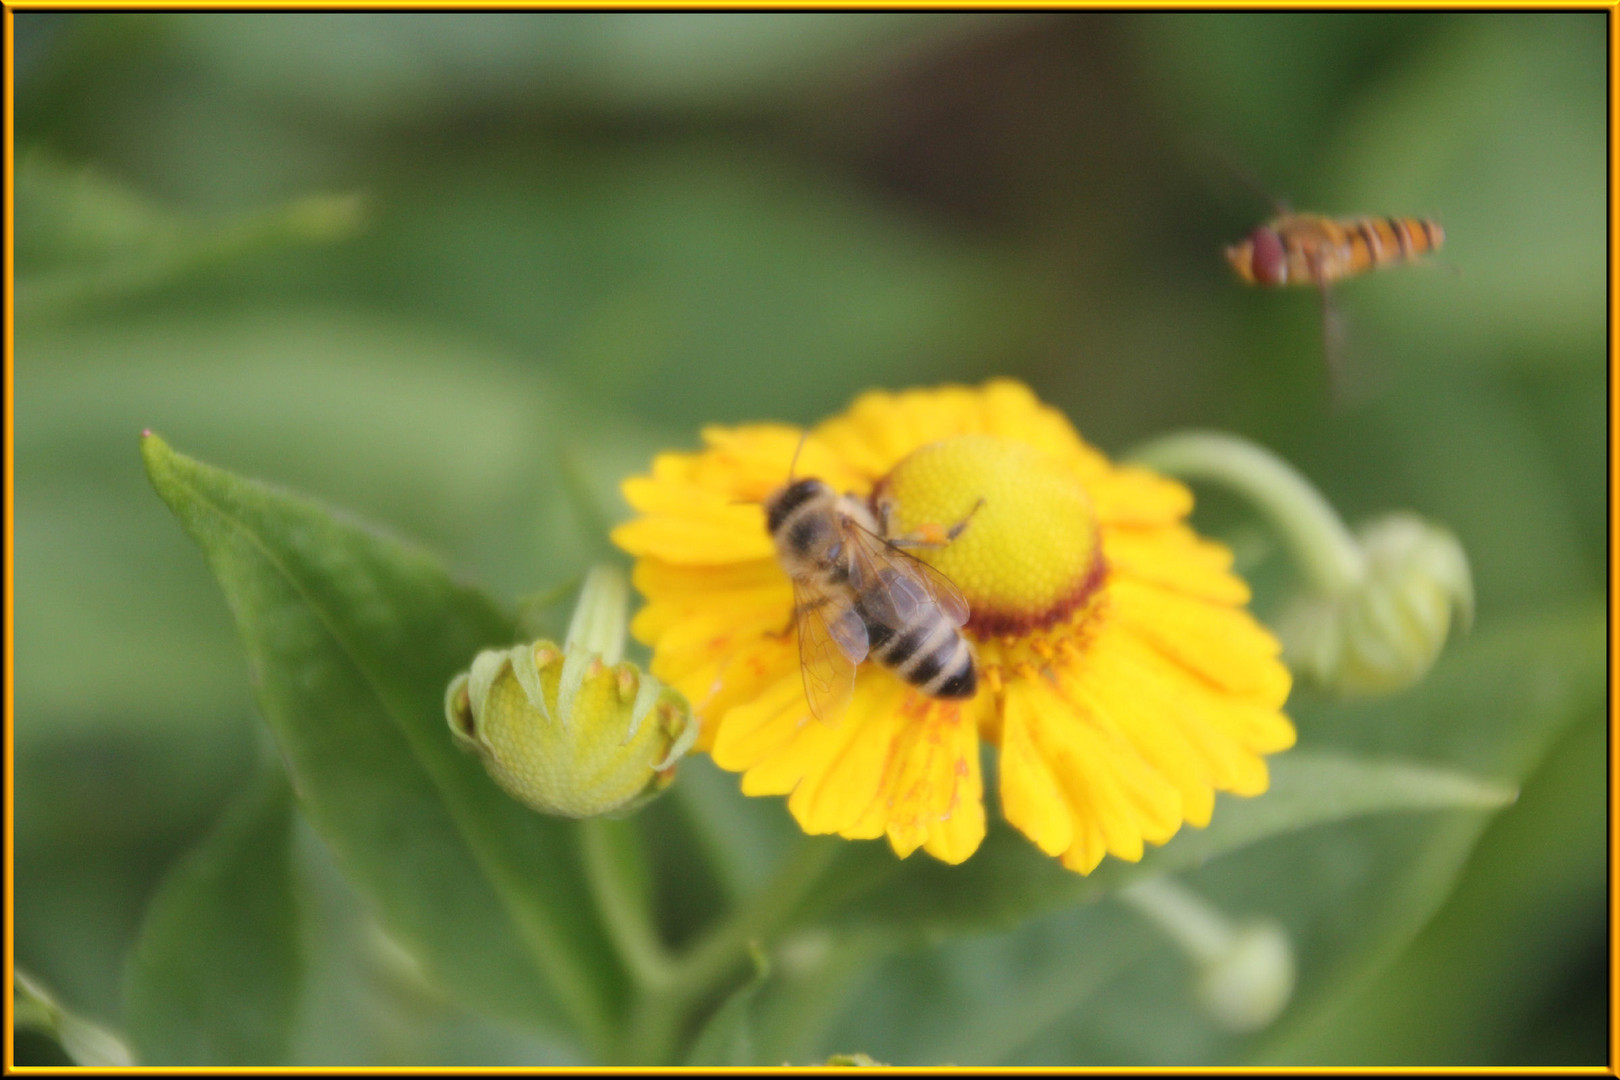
930, 654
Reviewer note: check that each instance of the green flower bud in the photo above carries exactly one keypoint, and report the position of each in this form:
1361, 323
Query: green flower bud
1243, 972
573, 730
1247, 985
1383, 632
1378, 605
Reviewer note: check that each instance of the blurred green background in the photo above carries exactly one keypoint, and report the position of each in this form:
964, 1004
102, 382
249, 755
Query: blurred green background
449, 271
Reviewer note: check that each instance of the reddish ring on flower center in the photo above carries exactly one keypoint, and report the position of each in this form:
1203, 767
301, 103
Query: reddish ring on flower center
1029, 556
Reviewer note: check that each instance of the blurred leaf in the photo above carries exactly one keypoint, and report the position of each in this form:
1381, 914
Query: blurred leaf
84, 239
1530, 906
728, 1036
215, 976
370, 67
661, 280
741, 837
365, 999
85, 1042
1009, 879
367, 411
352, 636
1259, 89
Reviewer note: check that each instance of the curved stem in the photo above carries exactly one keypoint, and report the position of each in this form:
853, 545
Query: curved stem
661, 1014
621, 902
1201, 931
1326, 551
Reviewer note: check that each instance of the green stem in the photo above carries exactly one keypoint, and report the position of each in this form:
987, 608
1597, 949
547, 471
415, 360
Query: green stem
660, 1016
621, 899
1324, 548
1201, 931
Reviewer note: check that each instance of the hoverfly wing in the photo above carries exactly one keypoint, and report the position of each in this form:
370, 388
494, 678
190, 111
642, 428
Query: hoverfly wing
894, 585
1334, 340
832, 640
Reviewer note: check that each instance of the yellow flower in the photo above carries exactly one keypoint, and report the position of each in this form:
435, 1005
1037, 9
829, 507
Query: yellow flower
1119, 674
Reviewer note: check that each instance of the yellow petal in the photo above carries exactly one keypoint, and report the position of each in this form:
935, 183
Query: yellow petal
844, 768
932, 788
1030, 798
751, 462
751, 596
1176, 558
881, 428
757, 732
1226, 734
1224, 645
1129, 495
1008, 408
697, 533
1111, 682
1116, 800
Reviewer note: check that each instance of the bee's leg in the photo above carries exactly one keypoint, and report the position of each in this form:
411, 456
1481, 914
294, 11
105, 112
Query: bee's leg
956, 530
883, 506
930, 536
793, 618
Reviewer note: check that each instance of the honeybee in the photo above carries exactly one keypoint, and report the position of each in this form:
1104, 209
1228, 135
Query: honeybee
1309, 249
858, 596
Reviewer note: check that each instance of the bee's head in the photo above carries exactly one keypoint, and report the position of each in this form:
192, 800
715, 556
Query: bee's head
1260, 257
790, 497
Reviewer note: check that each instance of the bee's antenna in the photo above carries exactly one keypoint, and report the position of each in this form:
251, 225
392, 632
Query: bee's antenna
794, 464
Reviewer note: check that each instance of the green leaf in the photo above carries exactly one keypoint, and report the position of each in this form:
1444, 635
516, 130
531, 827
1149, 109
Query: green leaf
85, 1042
84, 238
728, 1037
379, 72
215, 975
1008, 879
1441, 1004
352, 636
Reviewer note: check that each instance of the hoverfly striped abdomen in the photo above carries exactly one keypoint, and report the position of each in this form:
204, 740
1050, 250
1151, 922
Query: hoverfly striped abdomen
1309, 249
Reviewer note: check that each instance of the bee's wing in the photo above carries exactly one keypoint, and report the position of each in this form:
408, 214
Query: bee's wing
832, 640
895, 586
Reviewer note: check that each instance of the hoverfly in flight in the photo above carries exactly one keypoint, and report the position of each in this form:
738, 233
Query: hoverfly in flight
1310, 249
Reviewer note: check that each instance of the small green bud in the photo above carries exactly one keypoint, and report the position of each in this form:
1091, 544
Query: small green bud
572, 730
1247, 986
1384, 631
1243, 973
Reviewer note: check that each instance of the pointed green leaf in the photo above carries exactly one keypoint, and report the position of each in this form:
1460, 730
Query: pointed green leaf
352, 636
84, 238
215, 975
728, 1037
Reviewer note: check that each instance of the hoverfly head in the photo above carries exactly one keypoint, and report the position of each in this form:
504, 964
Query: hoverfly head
1268, 259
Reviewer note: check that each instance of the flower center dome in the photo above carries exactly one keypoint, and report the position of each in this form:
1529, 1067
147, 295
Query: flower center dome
1030, 554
